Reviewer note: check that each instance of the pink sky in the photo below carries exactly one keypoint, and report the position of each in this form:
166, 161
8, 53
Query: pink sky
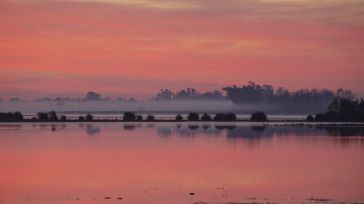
136, 47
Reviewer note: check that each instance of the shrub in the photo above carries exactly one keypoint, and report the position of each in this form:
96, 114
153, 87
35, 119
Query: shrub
52, 116
139, 118
230, 117
259, 117
310, 118
63, 118
89, 117
179, 117
150, 118
225, 117
129, 116
193, 117
206, 117
42, 116
11, 117
81, 118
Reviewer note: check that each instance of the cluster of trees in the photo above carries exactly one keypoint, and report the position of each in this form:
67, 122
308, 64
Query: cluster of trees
253, 93
342, 109
53, 117
259, 117
130, 117
207, 117
11, 117
188, 94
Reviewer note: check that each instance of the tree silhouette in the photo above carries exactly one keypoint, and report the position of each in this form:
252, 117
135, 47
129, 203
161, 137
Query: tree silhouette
93, 96
11, 117
139, 118
179, 117
253, 93
129, 116
310, 118
42, 116
258, 117
343, 109
225, 117
89, 117
150, 118
63, 118
193, 117
52, 116
206, 117
164, 94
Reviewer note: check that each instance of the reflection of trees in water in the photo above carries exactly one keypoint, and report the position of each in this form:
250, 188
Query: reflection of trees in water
187, 131
150, 125
343, 131
129, 127
345, 135
92, 130
11, 127
246, 132
165, 131
259, 132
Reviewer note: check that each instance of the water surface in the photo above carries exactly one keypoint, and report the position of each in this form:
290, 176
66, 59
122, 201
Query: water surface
180, 163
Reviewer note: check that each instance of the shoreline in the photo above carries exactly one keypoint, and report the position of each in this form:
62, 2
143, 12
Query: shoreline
237, 122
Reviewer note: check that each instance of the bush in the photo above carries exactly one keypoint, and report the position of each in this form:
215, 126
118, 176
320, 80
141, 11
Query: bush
179, 117
206, 117
230, 117
11, 117
42, 116
63, 118
81, 118
225, 117
193, 117
310, 118
343, 110
52, 116
150, 118
89, 117
129, 116
259, 117
139, 118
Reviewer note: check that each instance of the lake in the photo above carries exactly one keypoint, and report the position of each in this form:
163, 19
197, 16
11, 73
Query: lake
185, 162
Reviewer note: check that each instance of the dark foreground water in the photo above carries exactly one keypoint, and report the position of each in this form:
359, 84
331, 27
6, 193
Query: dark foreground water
180, 163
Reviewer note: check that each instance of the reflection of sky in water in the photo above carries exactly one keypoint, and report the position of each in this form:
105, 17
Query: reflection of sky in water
165, 162
230, 131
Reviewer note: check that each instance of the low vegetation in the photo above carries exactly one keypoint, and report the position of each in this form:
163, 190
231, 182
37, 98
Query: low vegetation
11, 117
259, 117
343, 110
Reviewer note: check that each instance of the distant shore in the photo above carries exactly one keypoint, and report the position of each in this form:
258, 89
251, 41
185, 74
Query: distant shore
292, 123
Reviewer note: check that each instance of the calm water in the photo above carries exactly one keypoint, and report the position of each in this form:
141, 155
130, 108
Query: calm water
180, 163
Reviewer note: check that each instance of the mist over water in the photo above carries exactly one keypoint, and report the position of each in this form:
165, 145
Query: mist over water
175, 106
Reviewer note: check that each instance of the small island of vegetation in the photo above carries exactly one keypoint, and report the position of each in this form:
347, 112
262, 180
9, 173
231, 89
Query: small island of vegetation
342, 110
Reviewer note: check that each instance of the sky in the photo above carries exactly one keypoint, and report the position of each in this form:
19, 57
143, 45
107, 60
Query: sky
135, 47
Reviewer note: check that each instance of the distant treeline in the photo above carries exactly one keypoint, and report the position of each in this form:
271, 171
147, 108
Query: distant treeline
188, 94
253, 93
